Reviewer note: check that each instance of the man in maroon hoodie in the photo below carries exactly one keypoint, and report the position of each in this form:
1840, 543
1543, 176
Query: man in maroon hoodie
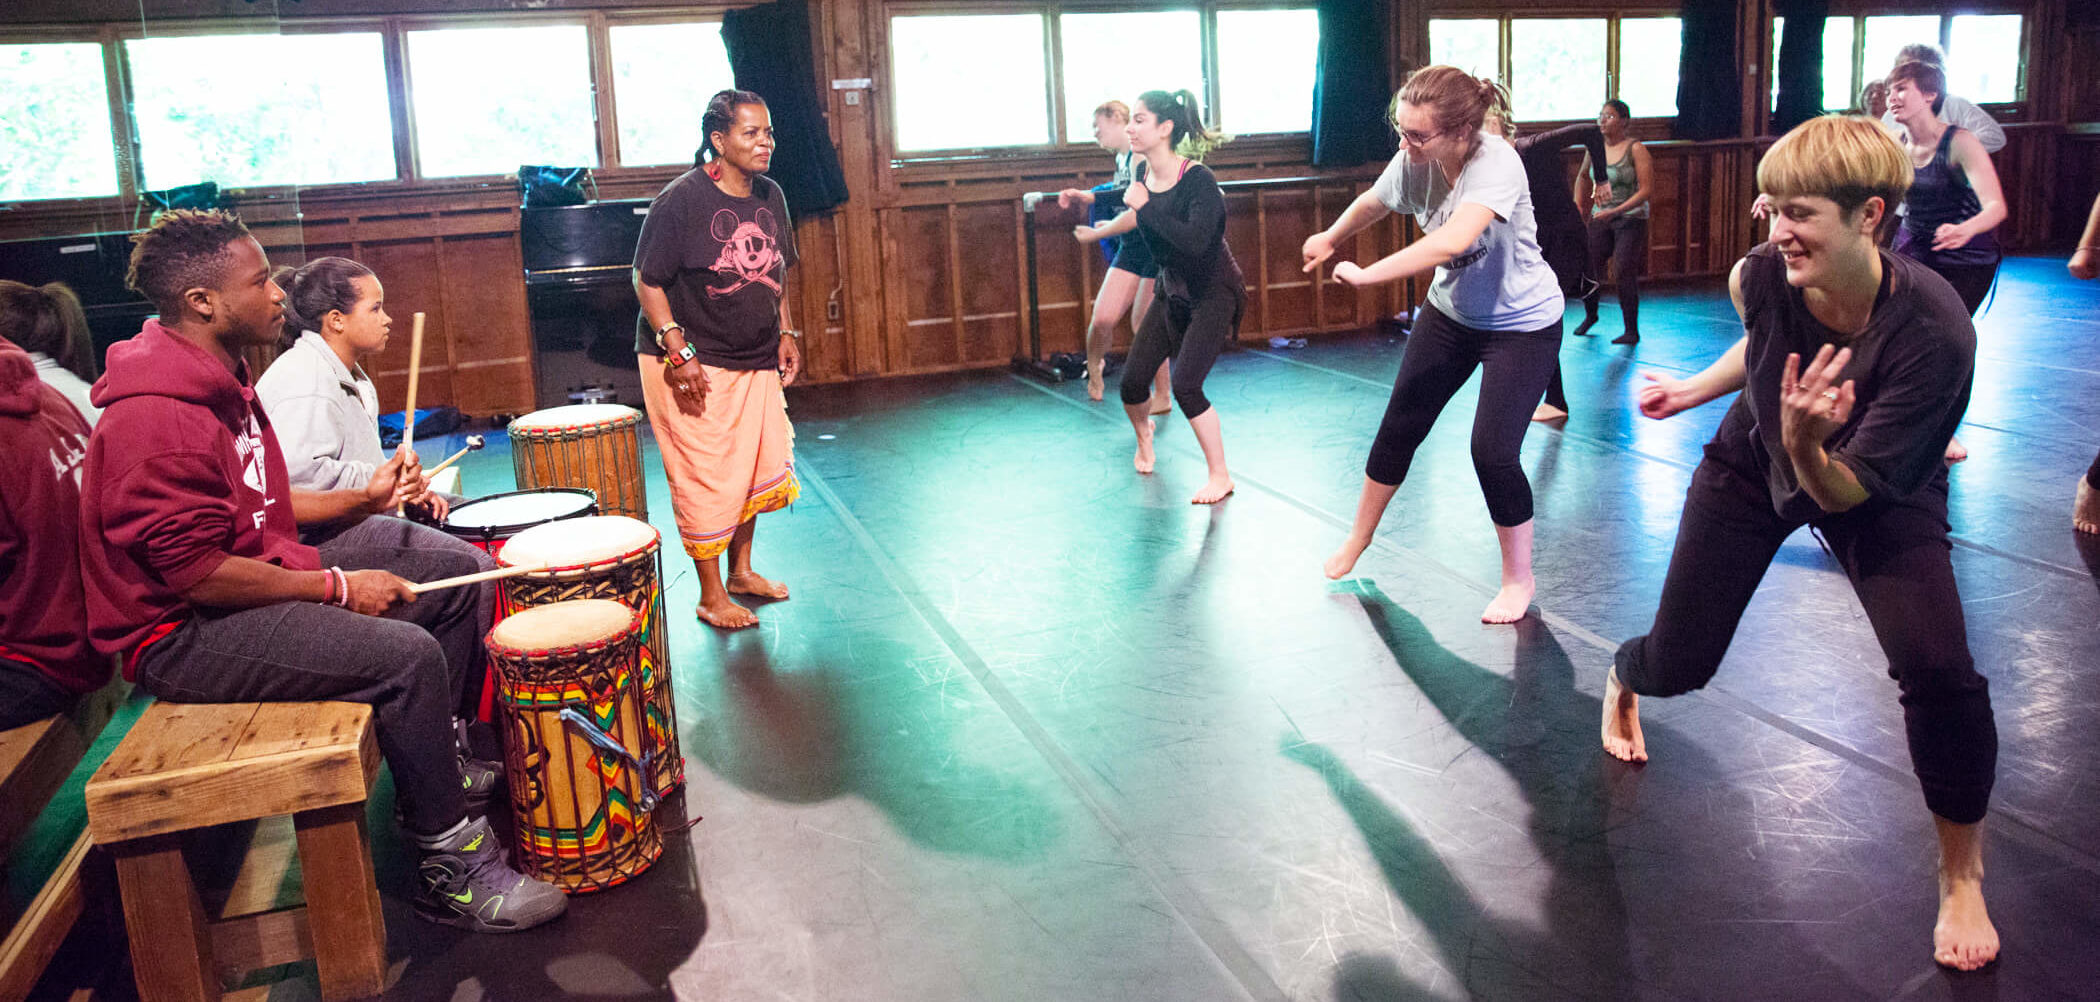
195, 575
46, 662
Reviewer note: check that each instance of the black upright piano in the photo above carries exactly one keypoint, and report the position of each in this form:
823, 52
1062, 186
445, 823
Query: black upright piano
579, 262
94, 265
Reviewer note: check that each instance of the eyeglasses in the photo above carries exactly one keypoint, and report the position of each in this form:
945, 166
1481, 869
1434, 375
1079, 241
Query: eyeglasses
1417, 139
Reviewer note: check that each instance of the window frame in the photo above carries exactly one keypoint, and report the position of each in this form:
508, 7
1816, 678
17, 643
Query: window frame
1505, 31
1053, 53
121, 141
2013, 110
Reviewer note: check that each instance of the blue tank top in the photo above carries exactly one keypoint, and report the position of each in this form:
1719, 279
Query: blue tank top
1940, 194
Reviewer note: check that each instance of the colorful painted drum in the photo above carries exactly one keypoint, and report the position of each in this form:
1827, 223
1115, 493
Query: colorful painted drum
491, 521
610, 557
568, 687
597, 446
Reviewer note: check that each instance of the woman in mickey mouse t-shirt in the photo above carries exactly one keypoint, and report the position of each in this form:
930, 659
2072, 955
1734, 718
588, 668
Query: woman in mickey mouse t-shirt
716, 346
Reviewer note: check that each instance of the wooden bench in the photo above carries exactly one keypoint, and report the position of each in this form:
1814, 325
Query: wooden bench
35, 762
186, 766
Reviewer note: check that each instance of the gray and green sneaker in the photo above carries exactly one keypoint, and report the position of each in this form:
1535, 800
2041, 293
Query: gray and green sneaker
482, 781
467, 882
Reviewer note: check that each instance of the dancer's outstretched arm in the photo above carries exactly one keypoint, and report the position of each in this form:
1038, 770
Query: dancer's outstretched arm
1664, 396
1435, 248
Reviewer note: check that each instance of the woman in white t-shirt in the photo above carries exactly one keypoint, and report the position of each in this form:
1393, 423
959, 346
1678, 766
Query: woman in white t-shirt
1495, 305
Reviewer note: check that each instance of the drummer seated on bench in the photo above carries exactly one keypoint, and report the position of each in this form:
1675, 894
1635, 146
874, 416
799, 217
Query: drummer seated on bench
195, 575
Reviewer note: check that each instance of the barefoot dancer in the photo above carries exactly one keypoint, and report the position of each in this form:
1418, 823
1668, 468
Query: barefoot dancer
716, 346
1848, 443
1127, 287
1495, 305
1180, 213
2085, 263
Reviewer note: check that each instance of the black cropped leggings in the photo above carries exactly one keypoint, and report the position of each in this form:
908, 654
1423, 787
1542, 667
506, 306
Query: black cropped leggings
1192, 333
1897, 558
1441, 355
1622, 243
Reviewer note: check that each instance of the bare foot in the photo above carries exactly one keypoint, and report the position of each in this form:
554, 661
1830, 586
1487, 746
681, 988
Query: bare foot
1162, 405
1548, 412
1964, 937
2085, 509
1344, 559
1143, 459
1622, 722
1510, 603
1094, 384
726, 615
1956, 452
1215, 490
749, 583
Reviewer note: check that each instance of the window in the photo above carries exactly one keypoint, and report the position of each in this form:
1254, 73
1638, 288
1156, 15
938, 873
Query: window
1471, 44
1118, 56
54, 123
1648, 56
1983, 57
1268, 62
1838, 92
246, 110
487, 100
663, 76
1883, 36
1556, 67
948, 70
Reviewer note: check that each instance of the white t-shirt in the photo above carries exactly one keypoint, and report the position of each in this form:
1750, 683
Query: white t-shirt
1501, 283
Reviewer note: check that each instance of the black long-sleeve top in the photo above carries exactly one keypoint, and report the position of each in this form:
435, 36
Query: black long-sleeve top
1185, 227
1560, 224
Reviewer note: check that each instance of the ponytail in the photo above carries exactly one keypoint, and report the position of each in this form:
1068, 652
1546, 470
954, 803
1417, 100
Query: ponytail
1191, 138
314, 290
1459, 101
49, 320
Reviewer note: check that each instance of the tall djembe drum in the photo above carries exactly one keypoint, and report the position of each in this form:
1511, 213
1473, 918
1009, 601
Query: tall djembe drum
609, 557
568, 687
595, 446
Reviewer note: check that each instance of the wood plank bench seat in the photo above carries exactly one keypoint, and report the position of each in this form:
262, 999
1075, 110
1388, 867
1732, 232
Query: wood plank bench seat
186, 766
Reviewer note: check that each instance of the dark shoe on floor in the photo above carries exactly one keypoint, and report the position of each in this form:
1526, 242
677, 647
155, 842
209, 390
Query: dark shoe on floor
1630, 337
467, 882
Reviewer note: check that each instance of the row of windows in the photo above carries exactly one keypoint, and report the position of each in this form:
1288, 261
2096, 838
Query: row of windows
960, 78
265, 109
1982, 50
1561, 68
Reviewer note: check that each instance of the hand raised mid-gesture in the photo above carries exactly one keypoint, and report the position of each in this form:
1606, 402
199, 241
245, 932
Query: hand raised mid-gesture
1813, 404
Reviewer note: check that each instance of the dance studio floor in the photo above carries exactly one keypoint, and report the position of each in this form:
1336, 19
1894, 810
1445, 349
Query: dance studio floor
1034, 728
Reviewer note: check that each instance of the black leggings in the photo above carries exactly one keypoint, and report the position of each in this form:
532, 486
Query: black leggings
1192, 333
1441, 355
1622, 242
1971, 281
2092, 474
1897, 558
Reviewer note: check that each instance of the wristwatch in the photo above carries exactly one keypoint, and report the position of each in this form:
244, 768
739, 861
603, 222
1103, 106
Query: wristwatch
674, 359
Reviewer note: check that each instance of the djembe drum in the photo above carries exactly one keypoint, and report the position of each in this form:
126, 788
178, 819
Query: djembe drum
611, 557
597, 446
570, 695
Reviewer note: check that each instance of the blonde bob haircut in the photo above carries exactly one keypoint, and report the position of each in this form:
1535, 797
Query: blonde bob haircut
1845, 158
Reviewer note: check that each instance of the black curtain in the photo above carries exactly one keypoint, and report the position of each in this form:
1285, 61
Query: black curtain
1801, 94
1709, 90
769, 51
1350, 86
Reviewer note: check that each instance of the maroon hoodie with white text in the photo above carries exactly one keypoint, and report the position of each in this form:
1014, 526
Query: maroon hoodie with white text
182, 472
43, 441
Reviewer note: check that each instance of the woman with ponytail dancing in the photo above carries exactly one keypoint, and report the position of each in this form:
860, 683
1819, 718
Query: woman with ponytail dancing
1494, 305
1179, 212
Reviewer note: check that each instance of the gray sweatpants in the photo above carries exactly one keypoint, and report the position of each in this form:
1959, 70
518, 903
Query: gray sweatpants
412, 665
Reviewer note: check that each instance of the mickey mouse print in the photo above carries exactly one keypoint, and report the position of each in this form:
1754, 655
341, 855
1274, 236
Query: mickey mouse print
722, 261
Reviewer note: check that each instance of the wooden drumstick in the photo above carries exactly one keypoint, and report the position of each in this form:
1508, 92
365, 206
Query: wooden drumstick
415, 372
473, 442
466, 579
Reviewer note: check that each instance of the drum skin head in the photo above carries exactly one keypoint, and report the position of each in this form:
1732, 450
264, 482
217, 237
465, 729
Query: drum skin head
574, 416
584, 622
517, 509
577, 542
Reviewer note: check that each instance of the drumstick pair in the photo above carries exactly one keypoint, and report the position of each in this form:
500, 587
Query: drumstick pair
415, 372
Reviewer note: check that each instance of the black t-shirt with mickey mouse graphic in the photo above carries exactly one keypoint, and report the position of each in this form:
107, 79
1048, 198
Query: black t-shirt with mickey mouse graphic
722, 261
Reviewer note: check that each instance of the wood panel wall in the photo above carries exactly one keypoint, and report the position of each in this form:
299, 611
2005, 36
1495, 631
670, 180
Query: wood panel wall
922, 270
